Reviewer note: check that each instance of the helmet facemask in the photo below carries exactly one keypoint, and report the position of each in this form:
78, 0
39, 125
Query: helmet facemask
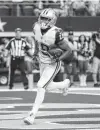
44, 22
47, 19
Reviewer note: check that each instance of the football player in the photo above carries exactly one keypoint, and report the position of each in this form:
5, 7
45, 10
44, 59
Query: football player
48, 37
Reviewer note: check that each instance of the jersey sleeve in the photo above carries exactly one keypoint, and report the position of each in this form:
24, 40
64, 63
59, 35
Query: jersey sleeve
59, 36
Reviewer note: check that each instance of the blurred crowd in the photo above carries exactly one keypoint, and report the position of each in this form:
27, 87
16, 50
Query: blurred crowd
5, 56
63, 8
85, 59
4, 60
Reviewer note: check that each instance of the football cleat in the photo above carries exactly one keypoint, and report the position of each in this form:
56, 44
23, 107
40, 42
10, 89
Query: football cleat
30, 119
65, 90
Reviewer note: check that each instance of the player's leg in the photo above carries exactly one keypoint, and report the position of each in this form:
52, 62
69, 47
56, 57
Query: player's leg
57, 85
47, 73
40, 94
45, 82
95, 71
64, 85
50, 73
47, 76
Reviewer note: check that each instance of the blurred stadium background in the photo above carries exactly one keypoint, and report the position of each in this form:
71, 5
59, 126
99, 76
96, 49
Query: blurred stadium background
81, 16
80, 109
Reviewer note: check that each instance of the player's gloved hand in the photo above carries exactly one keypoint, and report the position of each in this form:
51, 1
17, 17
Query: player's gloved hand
56, 58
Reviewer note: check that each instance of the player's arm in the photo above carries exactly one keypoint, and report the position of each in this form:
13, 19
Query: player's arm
62, 43
67, 50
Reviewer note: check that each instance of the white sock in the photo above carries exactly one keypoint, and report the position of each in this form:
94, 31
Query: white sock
58, 85
38, 100
85, 77
30, 81
81, 80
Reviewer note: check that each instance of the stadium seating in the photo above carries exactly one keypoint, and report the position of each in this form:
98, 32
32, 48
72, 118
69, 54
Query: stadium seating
28, 10
84, 8
4, 10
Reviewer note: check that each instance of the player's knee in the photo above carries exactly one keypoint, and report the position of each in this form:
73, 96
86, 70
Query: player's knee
40, 89
49, 87
39, 85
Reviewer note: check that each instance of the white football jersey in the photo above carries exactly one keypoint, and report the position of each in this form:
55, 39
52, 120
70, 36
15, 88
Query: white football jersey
46, 40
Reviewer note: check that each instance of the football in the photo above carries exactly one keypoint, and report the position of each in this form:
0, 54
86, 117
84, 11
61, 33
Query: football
56, 52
